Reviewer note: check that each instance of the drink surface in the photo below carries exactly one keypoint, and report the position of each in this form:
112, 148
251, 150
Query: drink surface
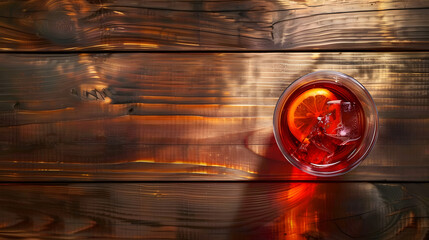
322, 124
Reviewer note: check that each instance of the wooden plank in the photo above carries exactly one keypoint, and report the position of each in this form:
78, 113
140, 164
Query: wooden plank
193, 116
215, 211
63, 25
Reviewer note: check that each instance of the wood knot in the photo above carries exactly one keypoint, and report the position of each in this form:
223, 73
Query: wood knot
57, 27
16, 106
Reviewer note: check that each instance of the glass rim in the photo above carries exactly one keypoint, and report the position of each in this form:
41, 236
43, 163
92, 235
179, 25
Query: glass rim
373, 133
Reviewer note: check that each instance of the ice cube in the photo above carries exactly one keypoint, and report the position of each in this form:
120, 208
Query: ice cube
337, 126
308, 152
348, 129
316, 150
318, 147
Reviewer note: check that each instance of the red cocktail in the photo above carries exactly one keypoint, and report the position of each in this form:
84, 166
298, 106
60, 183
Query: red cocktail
325, 123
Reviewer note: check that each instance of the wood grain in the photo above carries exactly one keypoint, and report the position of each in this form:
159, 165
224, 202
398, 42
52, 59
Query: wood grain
191, 116
214, 211
80, 25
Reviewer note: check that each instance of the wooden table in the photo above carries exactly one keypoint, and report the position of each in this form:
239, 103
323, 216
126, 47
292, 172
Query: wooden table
153, 119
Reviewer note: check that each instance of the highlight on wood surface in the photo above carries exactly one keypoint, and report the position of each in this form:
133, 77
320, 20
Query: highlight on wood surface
212, 25
193, 116
214, 211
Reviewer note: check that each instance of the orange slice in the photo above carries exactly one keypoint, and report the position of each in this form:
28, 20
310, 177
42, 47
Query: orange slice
304, 111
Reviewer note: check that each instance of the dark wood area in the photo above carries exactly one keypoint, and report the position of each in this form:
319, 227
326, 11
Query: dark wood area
128, 25
189, 116
127, 119
214, 211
